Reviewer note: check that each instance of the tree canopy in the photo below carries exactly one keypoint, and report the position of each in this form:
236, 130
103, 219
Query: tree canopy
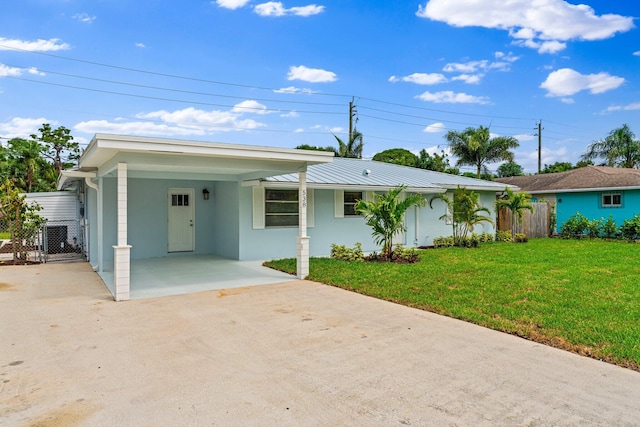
476, 147
510, 169
620, 148
33, 165
397, 156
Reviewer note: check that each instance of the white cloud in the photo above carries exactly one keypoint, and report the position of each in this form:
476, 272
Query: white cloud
276, 8
84, 17
140, 45
311, 75
566, 82
185, 122
421, 78
293, 89
469, 78
629, 107
7, 71
20, 127
231, 4
540, 24
435, 128
250, 106
636, 53
33, 46
466, 67
568, 101
450, 97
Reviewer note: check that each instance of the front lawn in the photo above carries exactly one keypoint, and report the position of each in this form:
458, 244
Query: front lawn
578, 295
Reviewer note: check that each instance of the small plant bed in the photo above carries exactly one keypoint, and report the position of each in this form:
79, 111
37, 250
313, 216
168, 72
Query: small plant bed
577, 295
400, 254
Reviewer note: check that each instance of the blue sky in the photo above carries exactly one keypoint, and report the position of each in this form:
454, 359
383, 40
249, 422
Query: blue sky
283, 73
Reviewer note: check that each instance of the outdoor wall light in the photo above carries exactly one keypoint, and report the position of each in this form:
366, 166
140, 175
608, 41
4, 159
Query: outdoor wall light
205, 194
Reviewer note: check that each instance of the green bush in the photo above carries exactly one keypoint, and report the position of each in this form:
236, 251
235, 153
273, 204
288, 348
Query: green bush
521, 238
594, 228
610, 228
486, 237
503, 236
345, 253
630, 228
443, 242
400, 255
574, 227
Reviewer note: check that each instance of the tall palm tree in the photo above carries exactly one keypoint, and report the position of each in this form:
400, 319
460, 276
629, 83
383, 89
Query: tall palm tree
25, 162
385, 215
619, 148
352, 148
517, 204
475, 147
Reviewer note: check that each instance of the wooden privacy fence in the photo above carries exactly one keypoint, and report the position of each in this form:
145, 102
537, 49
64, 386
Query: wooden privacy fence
534, 224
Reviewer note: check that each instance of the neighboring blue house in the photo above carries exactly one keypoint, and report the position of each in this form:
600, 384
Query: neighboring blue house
594, 191
152, 197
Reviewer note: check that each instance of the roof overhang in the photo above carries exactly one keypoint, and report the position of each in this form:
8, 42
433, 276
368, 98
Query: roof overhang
582, 190
160, 158
346, 187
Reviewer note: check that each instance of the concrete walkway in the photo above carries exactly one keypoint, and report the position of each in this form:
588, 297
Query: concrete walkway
291, 354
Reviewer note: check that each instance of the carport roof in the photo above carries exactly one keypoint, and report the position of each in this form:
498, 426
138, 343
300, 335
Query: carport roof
184, 159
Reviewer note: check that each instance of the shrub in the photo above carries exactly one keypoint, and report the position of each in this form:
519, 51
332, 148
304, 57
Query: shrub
345, 253
400, 255
594, 228
574, 227
610, 228
486, 237
503, 236
521, 238
630, 228
443, 242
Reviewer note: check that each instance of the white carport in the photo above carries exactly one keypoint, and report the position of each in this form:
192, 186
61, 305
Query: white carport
125, 157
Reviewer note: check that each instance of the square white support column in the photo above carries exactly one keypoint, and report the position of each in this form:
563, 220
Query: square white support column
302, 258
122, 251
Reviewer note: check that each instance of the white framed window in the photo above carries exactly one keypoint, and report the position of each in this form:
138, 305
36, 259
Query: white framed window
279, 208
344, 202
350, 199
611, 200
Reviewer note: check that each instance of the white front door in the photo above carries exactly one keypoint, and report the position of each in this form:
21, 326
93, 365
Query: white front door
181, 220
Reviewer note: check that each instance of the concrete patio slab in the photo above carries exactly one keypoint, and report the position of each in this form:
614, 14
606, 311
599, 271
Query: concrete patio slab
289, 354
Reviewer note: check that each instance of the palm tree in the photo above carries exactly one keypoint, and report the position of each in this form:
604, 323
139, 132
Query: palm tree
351, 149
25, 162
385, 215
475, 147
517, 204
464, 211
619, 148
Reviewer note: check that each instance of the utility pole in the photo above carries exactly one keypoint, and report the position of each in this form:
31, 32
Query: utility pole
539, 134
352, 114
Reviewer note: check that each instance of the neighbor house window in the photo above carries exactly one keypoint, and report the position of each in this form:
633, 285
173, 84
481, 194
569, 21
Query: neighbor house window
350, 200
280, 208
611, 200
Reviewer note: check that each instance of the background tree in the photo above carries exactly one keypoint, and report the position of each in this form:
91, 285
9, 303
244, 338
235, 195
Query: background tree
510, 169
620, 148
352, 148
517, 204
475, 147
464, 211
59, 146
316, 148
385, 215
436, 162
21, 219
397, 156
557, 167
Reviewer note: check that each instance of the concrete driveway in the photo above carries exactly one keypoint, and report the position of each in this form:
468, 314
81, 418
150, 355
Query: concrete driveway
291, 354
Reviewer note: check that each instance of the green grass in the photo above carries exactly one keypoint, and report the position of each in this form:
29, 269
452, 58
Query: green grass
578, 295
5, 235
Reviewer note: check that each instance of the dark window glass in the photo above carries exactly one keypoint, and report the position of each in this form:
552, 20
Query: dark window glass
350, 200
281, 208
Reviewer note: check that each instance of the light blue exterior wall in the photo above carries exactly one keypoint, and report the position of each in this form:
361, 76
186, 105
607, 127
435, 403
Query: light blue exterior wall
224, 223
273, 243
589, 205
